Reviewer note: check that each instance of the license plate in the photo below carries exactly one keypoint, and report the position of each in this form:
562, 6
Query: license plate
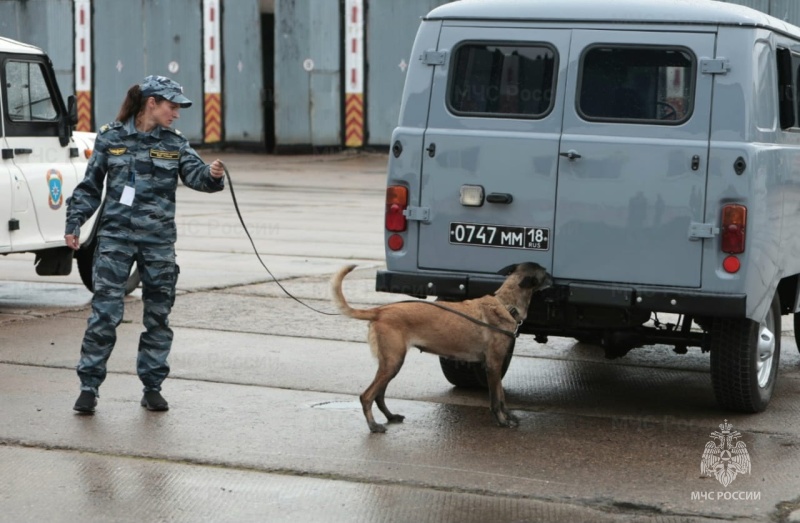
510, 237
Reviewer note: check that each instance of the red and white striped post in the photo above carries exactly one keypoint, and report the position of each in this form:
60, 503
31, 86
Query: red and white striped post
83, 63
212, 84
354, 73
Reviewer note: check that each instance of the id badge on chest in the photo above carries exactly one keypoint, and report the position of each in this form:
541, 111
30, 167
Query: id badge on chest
130, 190
127, 195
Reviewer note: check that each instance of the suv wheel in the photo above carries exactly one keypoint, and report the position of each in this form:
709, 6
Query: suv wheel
85, 257
470, 374
744, 360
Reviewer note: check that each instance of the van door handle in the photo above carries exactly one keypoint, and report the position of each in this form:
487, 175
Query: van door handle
23, 151
572, 154
431, 150
499, 197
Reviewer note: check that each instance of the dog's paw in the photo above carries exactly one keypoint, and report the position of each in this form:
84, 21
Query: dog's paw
377, 428
396, 418
507, 420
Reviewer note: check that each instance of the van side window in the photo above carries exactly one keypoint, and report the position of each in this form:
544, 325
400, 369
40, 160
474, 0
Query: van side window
788, 76
508, 80
765, 86
648, 84
28, 96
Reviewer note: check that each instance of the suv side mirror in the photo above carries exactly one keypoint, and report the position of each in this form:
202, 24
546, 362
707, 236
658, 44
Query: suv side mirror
72, 110
68, 121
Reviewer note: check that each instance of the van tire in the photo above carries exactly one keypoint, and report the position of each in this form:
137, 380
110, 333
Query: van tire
85, 258
797, 329
590, 338
740, 384
471, 374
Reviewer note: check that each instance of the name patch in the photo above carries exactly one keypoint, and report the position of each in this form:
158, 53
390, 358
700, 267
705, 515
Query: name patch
164, 155
117, 151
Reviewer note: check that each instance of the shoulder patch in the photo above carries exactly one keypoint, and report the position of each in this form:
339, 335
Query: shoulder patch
117, 151
108, 126
164, 155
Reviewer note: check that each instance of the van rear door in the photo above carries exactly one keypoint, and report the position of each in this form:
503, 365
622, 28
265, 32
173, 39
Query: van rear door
489, 168
633, 157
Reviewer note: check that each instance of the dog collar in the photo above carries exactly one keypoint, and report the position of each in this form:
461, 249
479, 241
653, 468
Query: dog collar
517, 317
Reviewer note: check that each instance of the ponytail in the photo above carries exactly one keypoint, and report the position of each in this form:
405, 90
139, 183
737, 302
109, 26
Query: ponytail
132, 105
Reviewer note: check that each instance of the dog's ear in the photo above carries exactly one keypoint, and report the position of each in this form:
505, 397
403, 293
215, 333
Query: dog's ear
528, 282
509, 270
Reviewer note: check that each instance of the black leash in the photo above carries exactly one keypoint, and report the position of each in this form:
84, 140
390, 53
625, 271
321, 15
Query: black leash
255, 250
476, 321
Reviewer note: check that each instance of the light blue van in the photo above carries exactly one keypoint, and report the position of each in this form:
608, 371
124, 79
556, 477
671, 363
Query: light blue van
646, 152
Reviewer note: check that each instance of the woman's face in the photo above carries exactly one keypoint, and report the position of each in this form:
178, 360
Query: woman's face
163, 112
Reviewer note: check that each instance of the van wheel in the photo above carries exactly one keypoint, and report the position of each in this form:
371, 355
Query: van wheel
85, 257
744, 360
471, 374
590, 338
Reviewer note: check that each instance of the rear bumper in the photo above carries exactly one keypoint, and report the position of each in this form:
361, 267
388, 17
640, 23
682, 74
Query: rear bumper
634, 297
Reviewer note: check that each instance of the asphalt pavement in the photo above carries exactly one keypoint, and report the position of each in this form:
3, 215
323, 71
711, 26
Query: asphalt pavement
265, 423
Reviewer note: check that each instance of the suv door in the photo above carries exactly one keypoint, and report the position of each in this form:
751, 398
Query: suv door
634, 157
6, 196
44, 169
494, 126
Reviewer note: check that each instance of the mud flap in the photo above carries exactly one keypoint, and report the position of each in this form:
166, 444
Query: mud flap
54, 262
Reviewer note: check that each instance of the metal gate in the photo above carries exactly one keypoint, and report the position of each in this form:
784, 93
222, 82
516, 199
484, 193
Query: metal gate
243, 92
136, 38
308, 85
41, 23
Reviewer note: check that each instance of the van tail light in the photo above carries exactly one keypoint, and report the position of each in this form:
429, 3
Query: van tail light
734, 225
396, 203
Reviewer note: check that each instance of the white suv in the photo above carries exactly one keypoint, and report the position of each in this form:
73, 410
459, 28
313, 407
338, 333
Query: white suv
42, 162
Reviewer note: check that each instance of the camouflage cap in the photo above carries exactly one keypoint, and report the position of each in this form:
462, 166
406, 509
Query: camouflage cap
166, 88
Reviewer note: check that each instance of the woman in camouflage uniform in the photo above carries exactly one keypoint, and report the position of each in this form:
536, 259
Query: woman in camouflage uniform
139, 158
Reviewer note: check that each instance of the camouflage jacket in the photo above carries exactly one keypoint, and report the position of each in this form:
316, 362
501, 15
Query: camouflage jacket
150, 163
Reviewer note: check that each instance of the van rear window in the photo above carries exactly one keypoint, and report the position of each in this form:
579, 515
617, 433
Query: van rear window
508, 80
653, 84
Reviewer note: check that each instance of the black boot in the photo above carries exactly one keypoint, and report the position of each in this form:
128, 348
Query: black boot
153, 400
86, 402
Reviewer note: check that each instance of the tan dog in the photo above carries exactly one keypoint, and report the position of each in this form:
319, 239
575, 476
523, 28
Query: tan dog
397, 327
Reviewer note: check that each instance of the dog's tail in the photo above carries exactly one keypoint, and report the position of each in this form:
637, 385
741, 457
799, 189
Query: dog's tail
341, 303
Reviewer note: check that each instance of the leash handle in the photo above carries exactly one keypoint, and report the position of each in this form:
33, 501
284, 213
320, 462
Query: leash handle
274, 279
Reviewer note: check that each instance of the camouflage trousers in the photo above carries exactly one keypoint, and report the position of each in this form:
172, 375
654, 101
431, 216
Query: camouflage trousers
113, 260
